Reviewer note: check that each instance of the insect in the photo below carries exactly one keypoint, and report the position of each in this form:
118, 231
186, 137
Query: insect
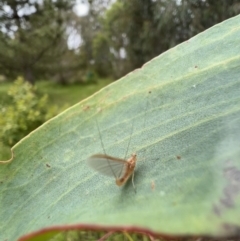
111, 166
121, 169
107, 165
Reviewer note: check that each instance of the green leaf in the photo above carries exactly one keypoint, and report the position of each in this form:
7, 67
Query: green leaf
180, 113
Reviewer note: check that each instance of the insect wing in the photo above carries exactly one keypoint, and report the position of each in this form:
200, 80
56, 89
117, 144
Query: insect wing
107, 165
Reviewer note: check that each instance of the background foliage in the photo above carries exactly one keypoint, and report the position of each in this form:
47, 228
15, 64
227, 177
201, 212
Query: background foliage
25, 112
32, 37
115, 38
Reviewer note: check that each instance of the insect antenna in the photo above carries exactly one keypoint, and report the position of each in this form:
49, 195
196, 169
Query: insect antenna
128, 143
144, 124
127, 153
104, 148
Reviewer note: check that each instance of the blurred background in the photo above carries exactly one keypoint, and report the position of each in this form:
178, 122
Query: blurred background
54, 53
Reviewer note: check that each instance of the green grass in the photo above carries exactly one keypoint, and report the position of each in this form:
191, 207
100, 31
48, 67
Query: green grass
58, 95
70, 94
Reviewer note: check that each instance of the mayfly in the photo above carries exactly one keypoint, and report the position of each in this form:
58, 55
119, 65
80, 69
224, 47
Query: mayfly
111, 166
107, 165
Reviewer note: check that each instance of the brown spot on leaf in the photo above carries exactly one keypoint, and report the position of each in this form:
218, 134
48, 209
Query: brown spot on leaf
230, 229
230, 191
47, 165
216, 210
232, 174
87, 107
178, 157
152, 185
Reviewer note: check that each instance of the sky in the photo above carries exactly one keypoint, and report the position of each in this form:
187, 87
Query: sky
81, 9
